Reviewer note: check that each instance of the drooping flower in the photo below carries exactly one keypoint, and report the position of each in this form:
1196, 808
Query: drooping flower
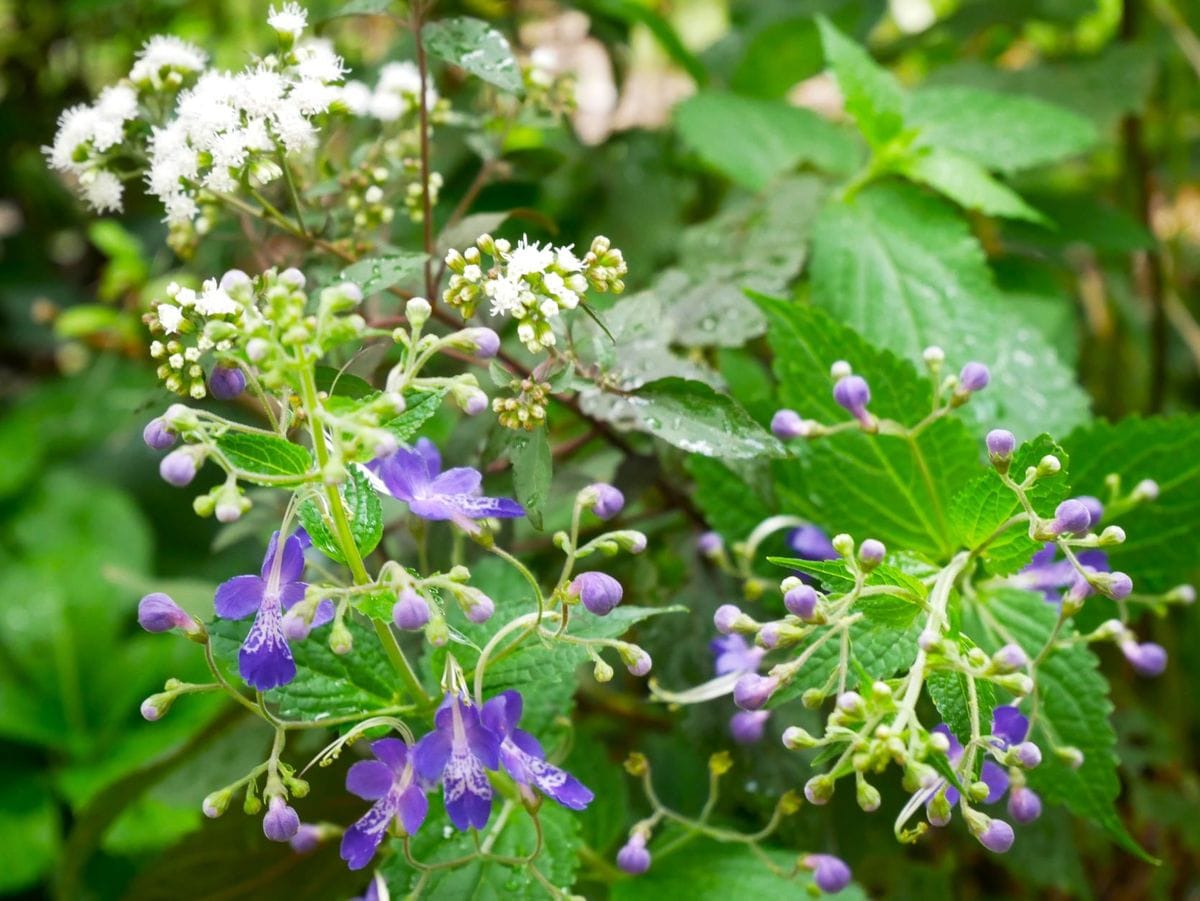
733, 654
280, 822
1051, 575
633, 857
523, 757
265, 660
459, 752
414, 475
391, 782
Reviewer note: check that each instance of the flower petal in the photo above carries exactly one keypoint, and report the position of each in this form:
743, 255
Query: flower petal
412, 808
503, 712
483, 742
430, 755
291, 567
360, 841
1009, 724
265, 660
429, 454
467, 791
392, 751
996, 778
370, 779
460, 480
238, 597
484, 507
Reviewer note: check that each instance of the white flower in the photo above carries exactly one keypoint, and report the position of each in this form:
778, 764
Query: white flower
505, 294
215, 301
165, 52
170, 317
316, 61
102, 190
472, 273
357, 97
528, 258
566, 260
290, 19
75, 128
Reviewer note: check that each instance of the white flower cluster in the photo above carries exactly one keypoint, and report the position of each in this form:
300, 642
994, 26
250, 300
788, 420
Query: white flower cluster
531, 283
396, 94
191, 323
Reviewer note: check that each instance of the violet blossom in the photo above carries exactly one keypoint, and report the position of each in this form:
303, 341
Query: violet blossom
458, 753
391, 782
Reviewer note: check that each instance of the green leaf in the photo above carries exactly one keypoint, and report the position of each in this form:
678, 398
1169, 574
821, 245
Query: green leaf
950, 692
906, 272
1073, 707
339, 383
376, 274
419, 408
490, 880
707, 871
999, 131
778, 57
326, 684
692, 416
265, 455
985, 504
889, 610
873, 97
532, 469
362, 8
476, 47
731, 501
1159, 551
966, 183
29, 829
872, 486
363, 509
774, 137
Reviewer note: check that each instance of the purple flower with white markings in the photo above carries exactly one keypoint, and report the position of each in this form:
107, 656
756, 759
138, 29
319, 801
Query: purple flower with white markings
523, 758
391, 782
414, 475
459, 752
265, 660
733, 654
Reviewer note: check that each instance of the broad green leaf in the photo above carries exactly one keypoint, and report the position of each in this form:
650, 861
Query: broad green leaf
773, 137
342, 384
984, 505
873, 486
481, 880
326, 684
966, 183
363, 510
999, 131
706, 871
376, 274
1072, 707
532, 469
476, 47
419, 408
692, 416
778, 57
873, 96
265, 455
29, 829
731, 505
950, 692
905, 271
1159, 551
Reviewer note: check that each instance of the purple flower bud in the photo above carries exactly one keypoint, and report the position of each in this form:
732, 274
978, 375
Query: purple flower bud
768, 636
1011, 656
295, 626
852, 393
974, 377
1071, 516
281, 822
1001, 443
1024, 805
1029, 754
178, 468
746, 726
1119, 586
725, 618
487, 342
801, 601
152, 709
787, 424
480, 607
1147, 658
410, 610
811, 543
997, 836
226, 382
599, 591
633, 857
830, 874
306, 839
157, 436
872, 552
476, 403
710, 544
638, 662
1094, 507
609, 500
157, 612
752, 691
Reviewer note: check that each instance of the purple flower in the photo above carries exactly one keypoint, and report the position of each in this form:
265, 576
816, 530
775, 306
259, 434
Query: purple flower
306, 839
600, 592
811, 543
1147, 658
1095, 508
752, 691
226, 382
830, 874
1050, 576
852, 393
265, 660
459, 752
157, 612
787, 424
411, 611
1009, 728
376, 890
1001, 443
281, 821
391, 783
974, 377
609, 501
633, 857
157, 435
733, 654
523, 757
414, 475
746, 726
801, 601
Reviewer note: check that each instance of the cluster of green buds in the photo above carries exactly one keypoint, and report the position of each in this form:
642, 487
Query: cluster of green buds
365, 191
548, 89
526, 408
532, 283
